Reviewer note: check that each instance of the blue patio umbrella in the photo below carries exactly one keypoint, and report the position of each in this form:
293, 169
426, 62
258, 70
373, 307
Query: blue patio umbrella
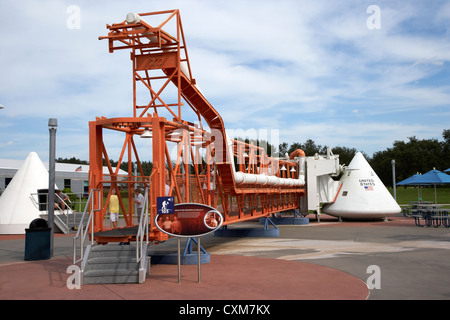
433, 177
448, 170
412, 181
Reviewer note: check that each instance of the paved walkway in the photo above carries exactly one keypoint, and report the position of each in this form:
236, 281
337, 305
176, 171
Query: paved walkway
224, 278
325, 261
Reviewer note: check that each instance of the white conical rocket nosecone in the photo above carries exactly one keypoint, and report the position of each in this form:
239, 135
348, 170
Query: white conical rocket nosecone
361, 194
17, 208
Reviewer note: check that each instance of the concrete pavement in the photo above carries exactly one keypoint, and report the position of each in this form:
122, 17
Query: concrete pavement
325, 261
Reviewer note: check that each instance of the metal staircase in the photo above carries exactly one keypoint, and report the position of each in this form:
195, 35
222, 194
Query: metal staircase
113, 263
65, 221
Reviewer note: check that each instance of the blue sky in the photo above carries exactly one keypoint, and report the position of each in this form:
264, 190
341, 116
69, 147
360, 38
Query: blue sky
309, 69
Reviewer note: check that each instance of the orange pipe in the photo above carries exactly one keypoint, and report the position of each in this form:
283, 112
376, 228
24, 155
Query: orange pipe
297, 153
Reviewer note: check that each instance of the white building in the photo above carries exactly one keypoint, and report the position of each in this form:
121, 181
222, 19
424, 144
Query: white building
67, 175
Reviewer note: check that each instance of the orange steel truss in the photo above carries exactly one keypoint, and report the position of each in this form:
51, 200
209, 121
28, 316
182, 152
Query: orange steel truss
193, 160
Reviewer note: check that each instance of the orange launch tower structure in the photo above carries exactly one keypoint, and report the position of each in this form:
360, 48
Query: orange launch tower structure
237, 178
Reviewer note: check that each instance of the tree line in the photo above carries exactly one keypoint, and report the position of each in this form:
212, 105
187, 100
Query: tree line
410, 157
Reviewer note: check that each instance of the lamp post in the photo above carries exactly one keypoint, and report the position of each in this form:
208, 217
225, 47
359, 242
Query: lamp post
52, 126
393, 179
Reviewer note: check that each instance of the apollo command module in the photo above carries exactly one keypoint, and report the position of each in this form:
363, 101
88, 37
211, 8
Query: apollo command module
361, 194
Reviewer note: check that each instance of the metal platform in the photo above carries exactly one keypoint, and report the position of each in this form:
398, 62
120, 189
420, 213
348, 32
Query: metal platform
125, 234
128, 234
250, 232
295, 219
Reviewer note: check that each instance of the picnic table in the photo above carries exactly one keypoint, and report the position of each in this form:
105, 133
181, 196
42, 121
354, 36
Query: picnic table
429, 215
424, 205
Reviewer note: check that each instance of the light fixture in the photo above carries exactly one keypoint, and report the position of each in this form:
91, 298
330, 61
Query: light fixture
293, 169
146, 134
52, 124
283, 168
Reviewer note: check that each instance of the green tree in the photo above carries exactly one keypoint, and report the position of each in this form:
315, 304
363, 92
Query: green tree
412, 157
346, 154
71, 160
446, 146
309, 147
282, 149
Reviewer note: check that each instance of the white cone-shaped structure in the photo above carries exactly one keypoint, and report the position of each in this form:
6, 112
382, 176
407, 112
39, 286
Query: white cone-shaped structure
17, 209
362, 195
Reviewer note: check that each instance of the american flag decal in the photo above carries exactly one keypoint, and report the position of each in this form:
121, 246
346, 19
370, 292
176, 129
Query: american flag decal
368, 188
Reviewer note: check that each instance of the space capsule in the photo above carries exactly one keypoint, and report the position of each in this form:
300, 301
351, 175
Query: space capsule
361, 194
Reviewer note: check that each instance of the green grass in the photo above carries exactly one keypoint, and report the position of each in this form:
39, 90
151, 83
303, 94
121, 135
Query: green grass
409, 194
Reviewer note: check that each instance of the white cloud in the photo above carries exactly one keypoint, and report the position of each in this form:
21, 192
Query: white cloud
262, 64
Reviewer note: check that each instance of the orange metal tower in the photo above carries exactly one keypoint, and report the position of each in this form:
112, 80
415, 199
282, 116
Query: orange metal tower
237, 178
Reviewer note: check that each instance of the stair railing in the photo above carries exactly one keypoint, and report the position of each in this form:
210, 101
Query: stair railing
143, 229
59, 215
83, 229
63, 212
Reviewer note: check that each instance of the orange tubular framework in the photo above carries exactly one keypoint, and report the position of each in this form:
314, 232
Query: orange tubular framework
203, 162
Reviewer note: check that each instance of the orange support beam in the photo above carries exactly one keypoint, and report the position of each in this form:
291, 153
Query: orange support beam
96, 169
159, 60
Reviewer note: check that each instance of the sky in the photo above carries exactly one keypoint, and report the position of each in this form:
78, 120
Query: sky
358, 74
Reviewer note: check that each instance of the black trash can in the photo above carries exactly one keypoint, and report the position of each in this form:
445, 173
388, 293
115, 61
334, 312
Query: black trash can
37, 240
42, 199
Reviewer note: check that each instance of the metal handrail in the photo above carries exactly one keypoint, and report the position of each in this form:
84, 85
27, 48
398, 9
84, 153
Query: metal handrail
143, 223
82, 230
65, 212
69, 208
